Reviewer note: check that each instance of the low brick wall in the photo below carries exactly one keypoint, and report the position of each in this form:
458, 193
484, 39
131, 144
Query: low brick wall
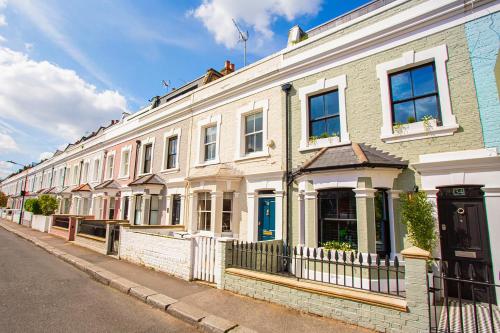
380, 312
161, 252
94, 243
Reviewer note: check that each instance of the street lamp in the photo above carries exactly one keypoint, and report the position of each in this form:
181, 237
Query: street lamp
23, 191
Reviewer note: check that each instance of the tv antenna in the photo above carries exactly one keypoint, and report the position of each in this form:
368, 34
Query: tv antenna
166, 84
242, 38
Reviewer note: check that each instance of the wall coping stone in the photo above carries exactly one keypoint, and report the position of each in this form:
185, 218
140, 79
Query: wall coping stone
367, 297
416, 253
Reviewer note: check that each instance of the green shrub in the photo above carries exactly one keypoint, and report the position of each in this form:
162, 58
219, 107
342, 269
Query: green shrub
417, 213
336, 245
48, 204
32, 205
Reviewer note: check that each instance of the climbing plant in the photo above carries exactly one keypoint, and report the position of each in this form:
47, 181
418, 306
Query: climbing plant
417, 213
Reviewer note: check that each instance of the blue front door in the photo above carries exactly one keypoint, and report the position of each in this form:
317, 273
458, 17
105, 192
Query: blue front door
266, 219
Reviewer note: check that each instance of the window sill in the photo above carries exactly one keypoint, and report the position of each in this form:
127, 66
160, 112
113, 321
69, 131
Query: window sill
144, 174
322, 143
417, 131
123, 177
252, 156
167, 171
201, 165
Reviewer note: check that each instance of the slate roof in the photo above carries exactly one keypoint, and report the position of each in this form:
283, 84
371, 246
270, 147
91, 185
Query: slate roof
147, 180
109, 184
352, 156
82, 188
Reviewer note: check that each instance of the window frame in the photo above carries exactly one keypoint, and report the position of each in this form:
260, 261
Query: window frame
202, 125
208, 144
321, 86
230, 212
142, 152
323, 118
95, 173
207, 197
416, 131
110, 170
166, 148
125, 171
246, 110
176, 198
157, 210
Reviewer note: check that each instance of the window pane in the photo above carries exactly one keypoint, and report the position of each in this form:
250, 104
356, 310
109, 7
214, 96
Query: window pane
332, 103
227, 202
423, 80
210, 152
318, 128
403, 112
333, 125
401, 86
226, 222
258, 141
250, 143
250, 124
210, 134
427, 106
316, 106
172, 145
258, 122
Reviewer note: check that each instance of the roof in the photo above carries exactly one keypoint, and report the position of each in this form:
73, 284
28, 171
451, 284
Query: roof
109, 184
352, 156
215, 171
147, 180
82, 188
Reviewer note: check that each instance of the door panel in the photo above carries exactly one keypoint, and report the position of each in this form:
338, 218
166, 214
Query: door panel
464, 240
266, 219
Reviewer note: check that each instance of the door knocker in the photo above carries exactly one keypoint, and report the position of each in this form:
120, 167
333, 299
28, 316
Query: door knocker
461, 211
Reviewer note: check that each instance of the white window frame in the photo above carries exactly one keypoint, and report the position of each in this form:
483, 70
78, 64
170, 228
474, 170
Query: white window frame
321, 86
86, 171
74, 179
145, 142
202, 125
173, 132
415, 131
243, 112
95, 174
107, 175
125, 172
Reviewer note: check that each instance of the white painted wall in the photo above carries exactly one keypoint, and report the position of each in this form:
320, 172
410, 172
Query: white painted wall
40, 223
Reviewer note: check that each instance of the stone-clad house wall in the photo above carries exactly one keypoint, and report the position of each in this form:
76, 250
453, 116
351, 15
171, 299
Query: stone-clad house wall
364, 111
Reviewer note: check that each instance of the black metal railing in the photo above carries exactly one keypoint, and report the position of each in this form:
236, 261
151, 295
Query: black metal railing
61, 222
349, 269
462, 298
92, 228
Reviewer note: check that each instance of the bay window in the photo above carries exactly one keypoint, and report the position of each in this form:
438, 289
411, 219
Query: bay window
204, 211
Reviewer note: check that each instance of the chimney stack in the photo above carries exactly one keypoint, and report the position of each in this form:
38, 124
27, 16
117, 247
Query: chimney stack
228, 68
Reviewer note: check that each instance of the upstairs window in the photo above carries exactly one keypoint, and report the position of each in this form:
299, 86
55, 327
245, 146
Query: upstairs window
324, 116
85, 172
110, 166
253, 133
414, 95
97, 165
210, 140
125, 163
148, 151
171, 154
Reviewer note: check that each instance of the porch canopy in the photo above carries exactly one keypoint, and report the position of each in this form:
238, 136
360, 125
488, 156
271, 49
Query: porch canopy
338, 186
109, 187
83, 190
148, 184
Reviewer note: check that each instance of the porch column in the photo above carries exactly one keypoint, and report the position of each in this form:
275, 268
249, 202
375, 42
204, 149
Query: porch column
182, 210
168, 205
492, 203
311, 218
300, 220
192, 223
395, 226
365, 212
432, 198
131, 209
236, 217
252, 219
279, 215
216, 213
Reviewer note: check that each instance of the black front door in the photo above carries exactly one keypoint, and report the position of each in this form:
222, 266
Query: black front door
465, 244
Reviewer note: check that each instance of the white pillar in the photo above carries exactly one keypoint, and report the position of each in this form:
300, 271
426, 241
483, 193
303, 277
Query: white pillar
183, 202
432, 198
252, 218
301, 220
236, 217
393, 195
278, 234
492, 202
311, 218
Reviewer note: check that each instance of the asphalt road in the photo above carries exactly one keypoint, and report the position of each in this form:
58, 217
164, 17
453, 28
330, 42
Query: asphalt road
41, 293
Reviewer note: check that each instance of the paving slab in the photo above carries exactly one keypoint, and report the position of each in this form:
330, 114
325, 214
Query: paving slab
141, 292
123, 285
216, 324
160, 301
187, 312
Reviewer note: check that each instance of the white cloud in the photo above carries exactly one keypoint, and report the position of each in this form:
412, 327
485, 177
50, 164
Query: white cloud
29, 47
54, 100
259, 15
6, 169
3, 20
45, 155
7, 143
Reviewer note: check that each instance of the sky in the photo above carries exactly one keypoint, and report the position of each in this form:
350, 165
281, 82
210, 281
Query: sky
67, 67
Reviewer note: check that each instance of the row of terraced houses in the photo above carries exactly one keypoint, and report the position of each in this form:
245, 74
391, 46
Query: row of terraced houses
314, 143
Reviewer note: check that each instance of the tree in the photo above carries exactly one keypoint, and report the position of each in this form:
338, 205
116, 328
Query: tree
33, 206
48, 204
3, 199
418, 215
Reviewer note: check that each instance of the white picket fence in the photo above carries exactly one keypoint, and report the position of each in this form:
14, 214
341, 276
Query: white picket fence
204, 259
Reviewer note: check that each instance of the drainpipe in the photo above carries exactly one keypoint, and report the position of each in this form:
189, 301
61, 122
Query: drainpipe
288, 177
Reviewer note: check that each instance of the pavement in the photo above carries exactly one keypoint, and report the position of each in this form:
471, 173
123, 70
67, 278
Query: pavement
201, 305
40, 293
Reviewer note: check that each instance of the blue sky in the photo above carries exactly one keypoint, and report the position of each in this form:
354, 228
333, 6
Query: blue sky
68, 66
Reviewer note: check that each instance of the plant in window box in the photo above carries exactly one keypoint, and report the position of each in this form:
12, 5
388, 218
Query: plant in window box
428, 122
313, 139
411, 119
338, 246
399, 128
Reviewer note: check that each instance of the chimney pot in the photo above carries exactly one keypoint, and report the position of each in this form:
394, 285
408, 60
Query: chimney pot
228, 64
232, 67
